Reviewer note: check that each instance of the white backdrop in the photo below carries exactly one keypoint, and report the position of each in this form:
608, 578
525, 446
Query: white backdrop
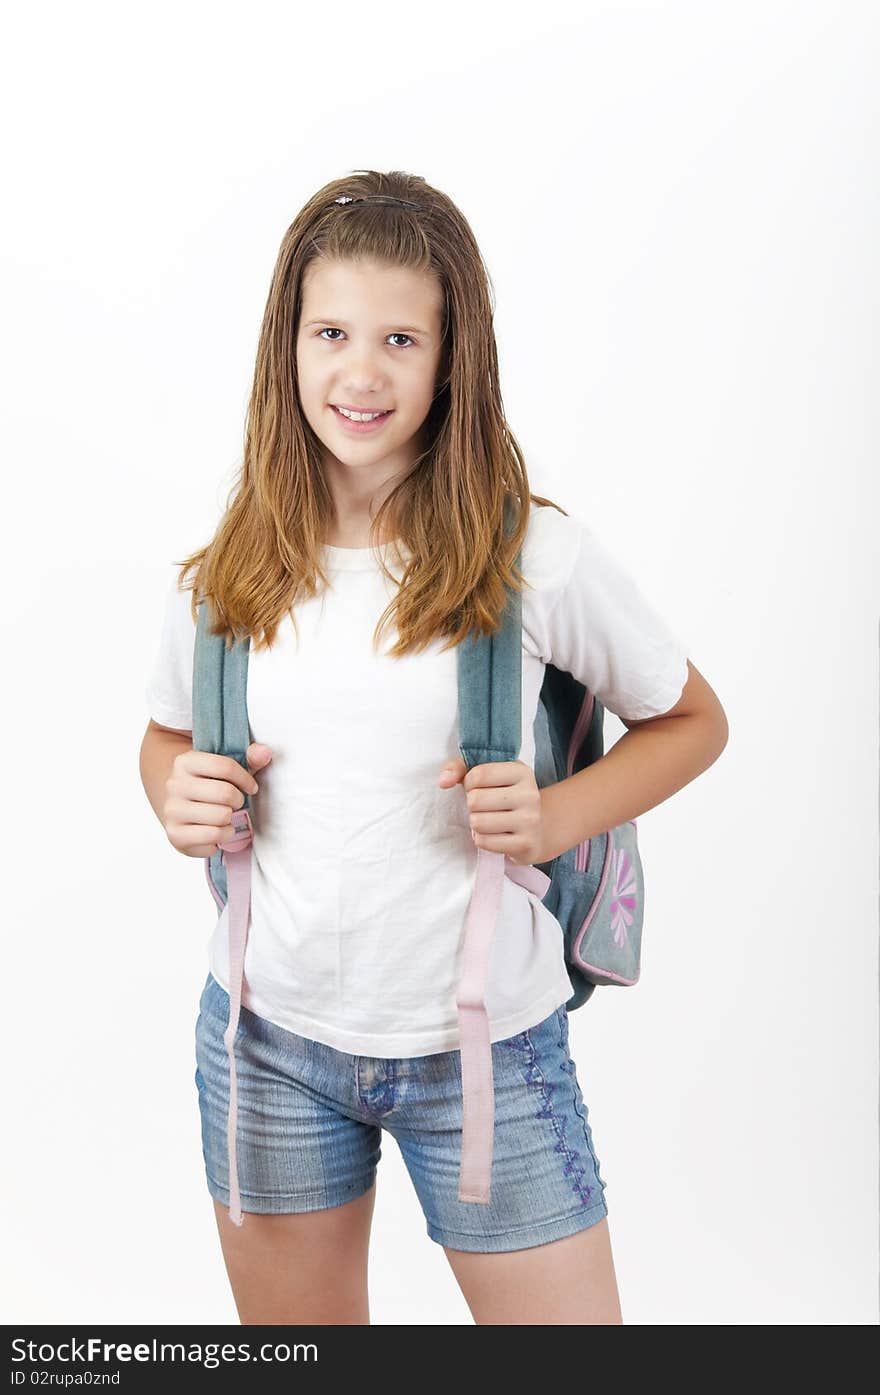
677, 204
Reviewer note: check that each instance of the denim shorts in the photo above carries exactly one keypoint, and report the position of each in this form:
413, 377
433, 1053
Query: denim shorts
310, 1121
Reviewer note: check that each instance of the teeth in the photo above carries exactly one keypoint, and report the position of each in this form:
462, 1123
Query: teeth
360, 416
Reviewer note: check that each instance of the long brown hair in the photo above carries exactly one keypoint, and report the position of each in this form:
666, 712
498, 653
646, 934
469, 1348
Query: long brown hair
449, 508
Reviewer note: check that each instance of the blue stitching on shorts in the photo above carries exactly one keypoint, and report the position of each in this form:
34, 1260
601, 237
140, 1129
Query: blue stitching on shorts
570, 1069
535, 1076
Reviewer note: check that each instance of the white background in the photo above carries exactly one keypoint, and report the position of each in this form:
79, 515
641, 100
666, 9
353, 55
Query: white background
678, 205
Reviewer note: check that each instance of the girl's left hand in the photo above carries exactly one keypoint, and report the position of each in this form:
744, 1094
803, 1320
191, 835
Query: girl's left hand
505, 805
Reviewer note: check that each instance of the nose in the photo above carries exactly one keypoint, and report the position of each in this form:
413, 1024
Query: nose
360, 387
362, 374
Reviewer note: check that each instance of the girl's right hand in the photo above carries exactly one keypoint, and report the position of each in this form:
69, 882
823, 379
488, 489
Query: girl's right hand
201, 793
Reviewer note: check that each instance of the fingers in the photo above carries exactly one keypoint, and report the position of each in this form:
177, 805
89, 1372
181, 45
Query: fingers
192, 823
198, 839
215, 779
203, 792
257, 755
215, 792
452, 772
203, 814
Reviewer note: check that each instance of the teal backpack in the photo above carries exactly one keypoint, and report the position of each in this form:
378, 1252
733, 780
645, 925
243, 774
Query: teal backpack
595, 890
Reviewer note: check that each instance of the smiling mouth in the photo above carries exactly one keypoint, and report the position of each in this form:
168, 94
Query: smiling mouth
361, 426
359, 413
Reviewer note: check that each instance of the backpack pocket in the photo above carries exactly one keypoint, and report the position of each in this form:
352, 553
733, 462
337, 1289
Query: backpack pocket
605, 931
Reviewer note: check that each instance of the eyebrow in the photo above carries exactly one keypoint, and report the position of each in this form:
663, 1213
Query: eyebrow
390, 329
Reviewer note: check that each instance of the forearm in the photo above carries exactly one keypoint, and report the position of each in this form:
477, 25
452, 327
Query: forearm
645, 766
158, 750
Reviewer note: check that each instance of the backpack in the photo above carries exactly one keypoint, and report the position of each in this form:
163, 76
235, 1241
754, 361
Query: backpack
595, 890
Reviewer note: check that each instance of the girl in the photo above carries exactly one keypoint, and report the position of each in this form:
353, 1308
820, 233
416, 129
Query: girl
377, 464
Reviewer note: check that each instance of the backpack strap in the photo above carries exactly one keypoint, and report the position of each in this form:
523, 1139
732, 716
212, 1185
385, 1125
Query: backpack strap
490, 729
220, 726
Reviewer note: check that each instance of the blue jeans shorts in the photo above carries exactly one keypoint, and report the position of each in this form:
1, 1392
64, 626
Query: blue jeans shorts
310, 1121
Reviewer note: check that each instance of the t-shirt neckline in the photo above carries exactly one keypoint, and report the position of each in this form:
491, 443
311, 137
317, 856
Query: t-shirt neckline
358, 558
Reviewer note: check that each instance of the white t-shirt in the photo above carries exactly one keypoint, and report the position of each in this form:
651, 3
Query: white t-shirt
362, 865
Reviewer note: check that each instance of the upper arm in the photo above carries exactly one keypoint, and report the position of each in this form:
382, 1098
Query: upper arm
697, 698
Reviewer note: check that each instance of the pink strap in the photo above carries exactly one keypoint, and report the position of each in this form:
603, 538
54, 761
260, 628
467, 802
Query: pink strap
237, 861
478, 1086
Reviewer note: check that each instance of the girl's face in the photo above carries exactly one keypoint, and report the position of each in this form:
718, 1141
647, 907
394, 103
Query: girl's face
369, 341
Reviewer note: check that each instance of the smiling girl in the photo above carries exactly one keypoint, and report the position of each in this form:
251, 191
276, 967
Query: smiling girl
365, 540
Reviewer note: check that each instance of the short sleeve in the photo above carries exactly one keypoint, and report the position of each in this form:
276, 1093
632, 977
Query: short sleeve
589, 617
169, 685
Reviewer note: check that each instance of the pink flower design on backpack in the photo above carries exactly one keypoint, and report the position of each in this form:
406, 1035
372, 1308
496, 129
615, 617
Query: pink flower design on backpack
623, 903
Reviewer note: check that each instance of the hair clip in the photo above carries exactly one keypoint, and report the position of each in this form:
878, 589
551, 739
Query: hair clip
388, 199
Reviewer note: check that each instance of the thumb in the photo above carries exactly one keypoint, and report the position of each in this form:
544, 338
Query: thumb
452, 772
257, 755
